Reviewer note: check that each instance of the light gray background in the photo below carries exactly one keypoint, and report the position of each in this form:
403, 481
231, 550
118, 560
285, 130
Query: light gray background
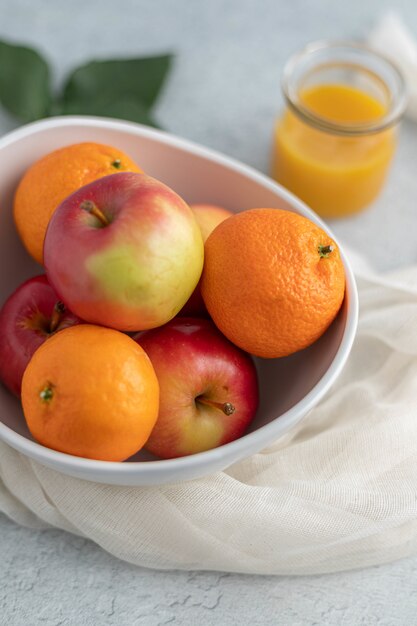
223, 92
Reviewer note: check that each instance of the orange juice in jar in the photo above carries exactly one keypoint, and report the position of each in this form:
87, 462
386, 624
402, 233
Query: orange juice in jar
334, 144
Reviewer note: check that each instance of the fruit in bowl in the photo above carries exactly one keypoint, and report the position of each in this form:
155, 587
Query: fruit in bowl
48, 181
273, 281
208, 387
208, 216
92, 392
288, 387
31, 315
124, 251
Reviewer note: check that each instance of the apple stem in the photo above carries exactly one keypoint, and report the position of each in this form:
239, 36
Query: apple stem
324, 251
92, 208
56, 316
226, 407
46, 394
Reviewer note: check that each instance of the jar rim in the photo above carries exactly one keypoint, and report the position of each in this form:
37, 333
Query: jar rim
399, 96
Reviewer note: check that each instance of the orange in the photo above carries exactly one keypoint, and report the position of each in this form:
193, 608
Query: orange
54, 177
92, 392
273, 281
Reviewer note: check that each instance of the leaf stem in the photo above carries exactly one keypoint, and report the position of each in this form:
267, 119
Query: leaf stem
227, 407
56, 316
92, 208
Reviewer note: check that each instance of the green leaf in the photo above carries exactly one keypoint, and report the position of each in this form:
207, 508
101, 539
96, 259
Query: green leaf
120, 108
24, 82
131, 80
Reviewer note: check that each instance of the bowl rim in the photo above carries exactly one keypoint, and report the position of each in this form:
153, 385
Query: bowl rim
243, 446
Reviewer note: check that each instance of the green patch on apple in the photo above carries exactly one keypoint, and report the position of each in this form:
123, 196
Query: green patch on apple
119, 275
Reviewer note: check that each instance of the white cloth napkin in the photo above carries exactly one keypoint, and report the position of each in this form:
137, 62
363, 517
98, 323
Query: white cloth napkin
392, 38
339, 493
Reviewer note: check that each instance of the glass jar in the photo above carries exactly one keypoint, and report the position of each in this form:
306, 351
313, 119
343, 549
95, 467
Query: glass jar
334, 143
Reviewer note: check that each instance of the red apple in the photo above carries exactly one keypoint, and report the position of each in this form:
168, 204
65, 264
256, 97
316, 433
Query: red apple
30, 315
208, 387
124, 251
208, 216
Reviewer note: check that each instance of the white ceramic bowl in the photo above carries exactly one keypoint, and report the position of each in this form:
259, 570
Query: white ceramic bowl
289, 387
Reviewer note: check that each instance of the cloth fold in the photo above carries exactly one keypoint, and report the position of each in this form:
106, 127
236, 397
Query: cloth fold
337, 493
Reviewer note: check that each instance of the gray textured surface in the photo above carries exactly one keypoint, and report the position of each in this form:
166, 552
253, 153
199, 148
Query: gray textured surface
52, 579
223, 92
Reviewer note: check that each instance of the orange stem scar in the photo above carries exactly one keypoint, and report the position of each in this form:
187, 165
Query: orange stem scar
324, 251
46, 394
